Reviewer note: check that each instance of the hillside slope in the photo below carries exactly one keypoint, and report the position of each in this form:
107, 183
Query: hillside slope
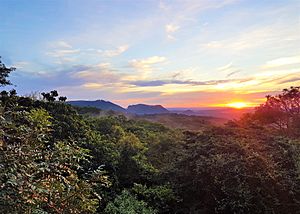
100, 104
146, 109
181, 121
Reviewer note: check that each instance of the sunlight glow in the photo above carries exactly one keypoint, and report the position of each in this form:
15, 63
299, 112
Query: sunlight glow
237, 105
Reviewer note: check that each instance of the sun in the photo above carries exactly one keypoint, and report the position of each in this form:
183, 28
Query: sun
237, 105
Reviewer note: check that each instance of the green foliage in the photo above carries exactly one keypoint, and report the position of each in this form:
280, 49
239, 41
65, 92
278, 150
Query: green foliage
126, 203
40, 119
88, 110
35, 176
161, 197
133, 166
236, 170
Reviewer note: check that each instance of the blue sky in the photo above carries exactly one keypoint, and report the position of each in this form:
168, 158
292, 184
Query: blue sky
180, 53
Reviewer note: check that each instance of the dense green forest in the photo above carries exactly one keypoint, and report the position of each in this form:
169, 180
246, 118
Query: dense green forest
55, 158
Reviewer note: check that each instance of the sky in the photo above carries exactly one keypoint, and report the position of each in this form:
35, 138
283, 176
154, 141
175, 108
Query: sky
177, 53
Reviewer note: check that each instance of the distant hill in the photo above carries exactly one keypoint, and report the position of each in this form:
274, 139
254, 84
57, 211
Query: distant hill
100, 104
141, 109
184, 119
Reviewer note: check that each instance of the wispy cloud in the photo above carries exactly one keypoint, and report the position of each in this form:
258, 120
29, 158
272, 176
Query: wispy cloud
283, 61
145, 66
92, 85
191, 7
21, 64
182, 13
232, 73
63, 52
116, 52
229, 69
62, 44
102, 73
170, 29
253, 38
290, 80
185, 82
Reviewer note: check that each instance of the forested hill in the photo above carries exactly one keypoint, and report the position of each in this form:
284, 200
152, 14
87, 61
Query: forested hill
139, 109
55, 160
182, 121
100, 104
142, 109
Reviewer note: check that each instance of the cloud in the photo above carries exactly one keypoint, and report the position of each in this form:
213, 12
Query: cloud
245, 40
272, 36
233, 73
191, 7
63, 44
101, 73
282, 61
63, 52
269, 73
290, 80
104, 77
183, 13
154, 83
20, 64
93, 85
229, 69
145, 66
170, 29
116, 52
60, 45
149, 83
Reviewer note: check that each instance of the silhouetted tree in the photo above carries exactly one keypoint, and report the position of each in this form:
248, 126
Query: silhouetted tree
51, 96
4, 73
54, 93
62, 99
281, 111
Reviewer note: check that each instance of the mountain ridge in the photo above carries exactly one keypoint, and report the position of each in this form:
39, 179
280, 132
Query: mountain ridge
100, 104
147, 109
139, 109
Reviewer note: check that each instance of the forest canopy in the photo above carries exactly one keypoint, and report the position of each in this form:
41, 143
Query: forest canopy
55, 158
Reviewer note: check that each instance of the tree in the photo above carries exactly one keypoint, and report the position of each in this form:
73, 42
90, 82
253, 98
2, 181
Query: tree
35, 176
126, 203
62, 99
51, 96
4, 74
236, 170
160, 197
281, 111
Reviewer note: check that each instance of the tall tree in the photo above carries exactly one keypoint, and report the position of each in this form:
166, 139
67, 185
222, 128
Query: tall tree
4, 73
281, 111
